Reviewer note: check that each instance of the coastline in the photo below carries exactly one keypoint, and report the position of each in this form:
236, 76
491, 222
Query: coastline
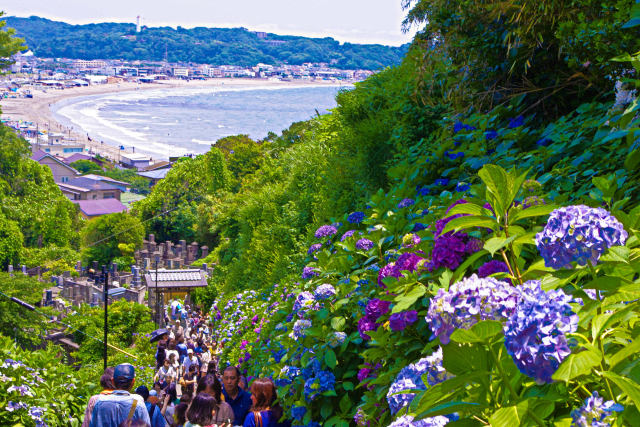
37, 109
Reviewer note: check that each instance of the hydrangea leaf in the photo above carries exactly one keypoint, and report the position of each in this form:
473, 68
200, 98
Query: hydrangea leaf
533, 211
459, 359
625, 353
494, 244
330, 358
409, 298
435, 394
452, 407
464, 222
617, 254
337, 323
627, 386
480, 332
577, 364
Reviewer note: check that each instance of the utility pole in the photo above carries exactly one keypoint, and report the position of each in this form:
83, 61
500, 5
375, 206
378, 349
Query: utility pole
105, 276
157, 297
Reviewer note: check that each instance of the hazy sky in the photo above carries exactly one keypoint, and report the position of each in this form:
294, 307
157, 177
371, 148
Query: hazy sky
359, 21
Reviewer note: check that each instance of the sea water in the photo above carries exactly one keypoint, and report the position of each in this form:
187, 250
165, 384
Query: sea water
177, 121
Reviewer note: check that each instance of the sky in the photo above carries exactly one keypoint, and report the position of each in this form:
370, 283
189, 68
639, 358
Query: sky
355, 21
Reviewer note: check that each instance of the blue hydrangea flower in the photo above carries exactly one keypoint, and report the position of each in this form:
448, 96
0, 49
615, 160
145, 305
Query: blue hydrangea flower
441, 181
578, 234
314, 248
364, 244
458, 126
595, 412
15, 406
355, 217
309, 272
324, 291
304, 301
461, 187
297, 412
543, 142
410, 378
535, 333
405, 203
490, 134
467, 302
323, 381
407, 421
299, 328
516, 122
336, 339
422, 191
325, 231
418, 226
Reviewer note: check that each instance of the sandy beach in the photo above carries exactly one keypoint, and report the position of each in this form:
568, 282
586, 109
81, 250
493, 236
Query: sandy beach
37, 109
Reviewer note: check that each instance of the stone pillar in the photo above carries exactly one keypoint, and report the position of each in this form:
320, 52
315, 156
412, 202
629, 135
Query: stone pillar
146, 264
204, 266
152, 238
205, 251
79, 266
10, 270
183, 248
24, 269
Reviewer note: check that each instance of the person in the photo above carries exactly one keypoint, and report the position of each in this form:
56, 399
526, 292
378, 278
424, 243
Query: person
161, 356
179, 330
111, 410
243, 383
171, 349
190, 360
133, 423
239, 399
205, 358
180, 414
189, 380
165, 375
181, 347
106, 382
211, 385
202, 411
263, 410
155, 415
175, 364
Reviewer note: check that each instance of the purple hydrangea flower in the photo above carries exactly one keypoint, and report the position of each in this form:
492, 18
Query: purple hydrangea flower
388, 270
406, 262
365, 324
355, 217
346, 235
325, 231
448, 251
304, 301
309, 272
595, 412
364, 244
410, 378
314, 248
376, 308
405, 203
535, 333
15, 406
467, 302
399, 321
324, 291
410, 240
578, 234
360, 419
531, 201
492, 267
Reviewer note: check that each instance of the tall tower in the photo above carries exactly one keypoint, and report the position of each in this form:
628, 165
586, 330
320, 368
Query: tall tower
138, 24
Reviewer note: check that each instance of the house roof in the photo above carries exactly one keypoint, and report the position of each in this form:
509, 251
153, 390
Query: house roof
75, 157
100, 207
172, 279
155, 174
91, 184
105, 178
163, 164
39, 155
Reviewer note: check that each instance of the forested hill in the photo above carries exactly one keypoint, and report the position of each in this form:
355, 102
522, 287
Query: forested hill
215, 46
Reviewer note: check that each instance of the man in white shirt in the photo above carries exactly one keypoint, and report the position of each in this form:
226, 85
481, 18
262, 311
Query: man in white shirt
191, 359
166, 374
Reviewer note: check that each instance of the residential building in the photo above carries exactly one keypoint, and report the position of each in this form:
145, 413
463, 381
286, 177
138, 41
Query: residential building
62, 172
94, 208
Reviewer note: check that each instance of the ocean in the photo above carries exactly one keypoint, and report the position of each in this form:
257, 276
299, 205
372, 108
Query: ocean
178, 121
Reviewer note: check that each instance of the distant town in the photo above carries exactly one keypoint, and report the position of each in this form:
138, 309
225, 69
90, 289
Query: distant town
27, 69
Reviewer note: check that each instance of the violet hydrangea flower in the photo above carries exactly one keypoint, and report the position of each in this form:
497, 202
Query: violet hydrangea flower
324, 291
399, 321
314, 248
492, 267
364, 244
325, 231
467, 302
309, 272
578, 234
405, 203
346, 235
304, 301
299, 328
595, 412
535, 333
365, 324
336, 339
376, 308
408, 421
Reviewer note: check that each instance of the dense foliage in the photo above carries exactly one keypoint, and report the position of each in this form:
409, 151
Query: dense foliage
215, 46
112, 238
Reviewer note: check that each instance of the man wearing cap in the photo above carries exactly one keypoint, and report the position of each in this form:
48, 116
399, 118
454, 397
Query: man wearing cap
112, 409
191, 359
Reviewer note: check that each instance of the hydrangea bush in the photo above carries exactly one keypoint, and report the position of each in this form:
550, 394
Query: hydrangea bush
521, 343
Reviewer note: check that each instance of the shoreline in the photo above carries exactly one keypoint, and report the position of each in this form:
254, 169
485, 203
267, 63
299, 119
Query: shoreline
38, 109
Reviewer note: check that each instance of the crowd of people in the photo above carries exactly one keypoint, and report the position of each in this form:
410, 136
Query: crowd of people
189, 388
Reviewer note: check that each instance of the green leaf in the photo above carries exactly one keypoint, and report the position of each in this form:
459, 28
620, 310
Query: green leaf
624, 353
345, 403
470, 209
459, 359
327, 409
347, 385
338, 323
330, 358
617, 254
435, 394
577, 364
480, 332
465, 222
531, 212
627, 386
494, 244
406, 300
511, 416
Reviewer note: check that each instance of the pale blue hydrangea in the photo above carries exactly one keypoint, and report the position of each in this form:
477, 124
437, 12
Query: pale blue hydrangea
595, 412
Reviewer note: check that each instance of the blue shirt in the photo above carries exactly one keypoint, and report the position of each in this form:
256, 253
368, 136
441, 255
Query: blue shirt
268, 420
240, 405
112, 409
157, 420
